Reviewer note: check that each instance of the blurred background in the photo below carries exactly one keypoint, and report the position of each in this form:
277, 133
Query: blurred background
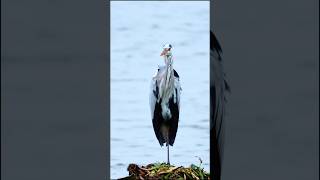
271, 59
138, 32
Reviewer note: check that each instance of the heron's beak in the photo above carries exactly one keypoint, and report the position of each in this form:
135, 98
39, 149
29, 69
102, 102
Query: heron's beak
164, 52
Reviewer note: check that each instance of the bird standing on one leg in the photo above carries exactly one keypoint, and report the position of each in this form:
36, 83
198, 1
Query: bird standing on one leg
165, 101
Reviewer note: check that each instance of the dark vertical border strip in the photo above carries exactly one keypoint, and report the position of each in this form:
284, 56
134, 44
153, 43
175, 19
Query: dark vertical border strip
3, 158
108, 54
271, 56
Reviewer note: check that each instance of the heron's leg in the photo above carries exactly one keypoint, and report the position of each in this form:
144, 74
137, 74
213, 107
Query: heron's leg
168, 147
168, 154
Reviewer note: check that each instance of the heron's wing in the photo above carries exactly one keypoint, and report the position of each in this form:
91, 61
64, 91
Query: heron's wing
178, 88
154, 88
218, 89
175, 73
157, 121
153, 96
155, 108
174, 105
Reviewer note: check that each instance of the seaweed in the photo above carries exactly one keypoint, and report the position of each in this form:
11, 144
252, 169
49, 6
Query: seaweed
164, 171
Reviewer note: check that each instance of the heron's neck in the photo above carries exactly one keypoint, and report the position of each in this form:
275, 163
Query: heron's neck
167, 89
168, 60
168, 79
169, 68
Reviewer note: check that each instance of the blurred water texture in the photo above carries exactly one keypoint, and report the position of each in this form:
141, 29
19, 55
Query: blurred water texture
138, 31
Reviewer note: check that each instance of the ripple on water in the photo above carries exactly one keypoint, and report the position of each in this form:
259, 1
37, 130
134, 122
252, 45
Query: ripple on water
129, 56
200, 53
116, 139
176, 155
121, 120
195, 126
114, 80
155, 26
123, 28
188, 24
133, 146
204, 120
182, 44
120, 164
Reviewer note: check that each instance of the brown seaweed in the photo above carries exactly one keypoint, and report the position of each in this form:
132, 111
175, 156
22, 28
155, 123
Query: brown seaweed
164, 171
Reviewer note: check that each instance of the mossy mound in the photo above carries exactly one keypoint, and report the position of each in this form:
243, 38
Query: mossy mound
165, 171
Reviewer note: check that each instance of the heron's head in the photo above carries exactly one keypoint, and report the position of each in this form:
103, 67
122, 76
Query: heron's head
166, 50
167, 53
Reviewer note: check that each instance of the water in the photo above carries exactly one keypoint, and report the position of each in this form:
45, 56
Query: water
138, 31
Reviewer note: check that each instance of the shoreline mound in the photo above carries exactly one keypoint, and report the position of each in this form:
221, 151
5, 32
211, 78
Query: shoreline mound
165, 171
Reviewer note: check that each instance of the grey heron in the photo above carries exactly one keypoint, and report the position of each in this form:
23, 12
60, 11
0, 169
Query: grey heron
165, 101
218, 91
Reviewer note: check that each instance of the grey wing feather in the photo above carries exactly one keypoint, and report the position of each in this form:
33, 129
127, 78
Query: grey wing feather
178, 90
153, 96
156, 109
175, 109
